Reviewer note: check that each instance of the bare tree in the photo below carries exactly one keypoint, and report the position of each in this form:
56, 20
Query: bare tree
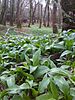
41, 6
30, 12
44, 18
34, 11
3, 12
38, 12
19, 13
12, 3
54, 17
48, 13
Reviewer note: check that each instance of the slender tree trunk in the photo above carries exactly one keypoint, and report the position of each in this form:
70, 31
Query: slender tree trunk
33, 15
54, 18
30, 12
44, 19
41, 17
11, 12
45, 11
59, 16
18, 19
3, 12
38, 12
48, 24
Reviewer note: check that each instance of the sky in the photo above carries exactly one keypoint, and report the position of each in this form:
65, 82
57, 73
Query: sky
42, 1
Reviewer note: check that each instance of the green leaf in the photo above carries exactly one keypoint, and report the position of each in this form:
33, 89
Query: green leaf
72, 92
60, 71
17, 97
25, 65
5, 98
59, 46
14, 90
22, 57
34, 92
3, 78
43, 84
3, 93
65, 66
73, 98
41, 70
17, 89
24, 96
62, 84
32, 69
52, 64
30, 82
73, 65
27, 59
36, 57
69, 43
54, 90
65, 53
52, 99
24, 86
46, 96
11, 81
19, 70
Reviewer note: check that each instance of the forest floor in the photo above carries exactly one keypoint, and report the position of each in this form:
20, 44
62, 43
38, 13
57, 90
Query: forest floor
37, 66
34, 29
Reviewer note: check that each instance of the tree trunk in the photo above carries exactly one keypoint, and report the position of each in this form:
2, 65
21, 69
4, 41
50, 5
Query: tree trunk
30, 12
68, 7
38, 12
3, 12
54, 18
41, 17
48, 17
33, 15
44, 19
11, 12
18, 18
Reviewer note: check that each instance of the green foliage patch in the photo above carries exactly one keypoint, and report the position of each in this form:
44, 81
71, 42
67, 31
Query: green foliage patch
40, 67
